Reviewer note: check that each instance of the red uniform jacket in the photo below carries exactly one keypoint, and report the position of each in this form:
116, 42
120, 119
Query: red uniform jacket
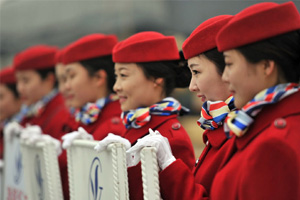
196, 185
179, 140
265, 162
53, 119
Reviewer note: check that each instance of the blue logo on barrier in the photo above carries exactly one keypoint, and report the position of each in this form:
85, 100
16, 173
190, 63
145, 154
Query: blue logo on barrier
95, 191
39, 178
18, 167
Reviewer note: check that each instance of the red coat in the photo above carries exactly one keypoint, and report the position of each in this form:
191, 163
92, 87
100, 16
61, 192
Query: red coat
265, 162
54, 120
179, 140
196, 185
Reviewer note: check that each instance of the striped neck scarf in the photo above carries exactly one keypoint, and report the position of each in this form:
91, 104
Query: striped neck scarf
89, 113
38, 108
141, 116
214, 113
237, 122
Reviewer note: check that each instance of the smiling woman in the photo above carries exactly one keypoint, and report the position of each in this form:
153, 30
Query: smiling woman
262, 58
206, 65
147, 66
88, 87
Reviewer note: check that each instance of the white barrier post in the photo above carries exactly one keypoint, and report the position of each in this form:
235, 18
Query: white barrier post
14, 187
41, 170
150, 172
95, 176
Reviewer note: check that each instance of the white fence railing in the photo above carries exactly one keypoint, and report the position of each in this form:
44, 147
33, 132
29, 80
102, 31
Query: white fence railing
41, 170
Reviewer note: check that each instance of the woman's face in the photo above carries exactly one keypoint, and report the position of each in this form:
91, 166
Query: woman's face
133, 88
31, 86
60, 72
245, 79
80, 87
206, 81
9, 104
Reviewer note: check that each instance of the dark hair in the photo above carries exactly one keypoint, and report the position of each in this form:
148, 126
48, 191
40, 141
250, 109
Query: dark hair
284, 50
45, 72
176, 74
217, 58
105, 63
13, 88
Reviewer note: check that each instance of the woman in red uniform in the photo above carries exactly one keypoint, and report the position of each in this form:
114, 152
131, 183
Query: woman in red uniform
261, 47
146, 69
44, 105
60, 73
36, 85
206, 65
10, 102
88, 88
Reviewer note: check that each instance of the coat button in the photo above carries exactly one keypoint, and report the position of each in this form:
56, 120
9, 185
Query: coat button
115, 120
176, 126
196, 162
280, 123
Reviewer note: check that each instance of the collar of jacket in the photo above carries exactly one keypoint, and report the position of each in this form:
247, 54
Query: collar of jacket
215, 137
286, 107
133, 134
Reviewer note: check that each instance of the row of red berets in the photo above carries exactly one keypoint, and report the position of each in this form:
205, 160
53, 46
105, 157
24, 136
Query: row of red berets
89, 91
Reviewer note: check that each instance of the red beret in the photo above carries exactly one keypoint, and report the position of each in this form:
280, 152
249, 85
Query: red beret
36, 57
146, 46
58, 56
90, 46
203, 38
7, 75
258, 22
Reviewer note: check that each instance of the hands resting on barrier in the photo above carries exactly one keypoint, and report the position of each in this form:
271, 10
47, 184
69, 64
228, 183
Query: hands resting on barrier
154, 139
30, 132
31, 135
81, 133
12, 129
161, 144
109, 139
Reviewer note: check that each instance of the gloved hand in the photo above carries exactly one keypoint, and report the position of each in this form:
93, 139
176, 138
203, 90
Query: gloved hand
34, 139
12, 129
79, 134
109, 139
30, 131
154, 139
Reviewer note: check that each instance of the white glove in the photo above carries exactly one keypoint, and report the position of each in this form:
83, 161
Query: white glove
109, 139
12, 129
34, 139
154, 139
30, 131
79, 134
